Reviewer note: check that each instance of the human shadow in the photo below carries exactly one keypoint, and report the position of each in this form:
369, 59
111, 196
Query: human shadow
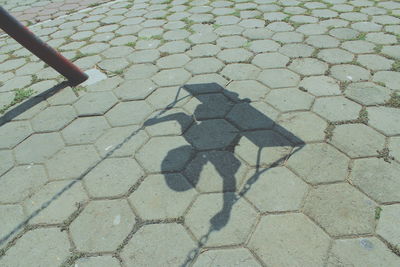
216, 129
220, 120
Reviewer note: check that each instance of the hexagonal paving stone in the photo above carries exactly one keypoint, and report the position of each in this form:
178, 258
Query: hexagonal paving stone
209, 106
270, 60
388, 224
173, 61
174, 47
297, 50
250, 89
305, 125
350, 73
279, 241
98, 261
7, 161
308, 66
251, 116
277, 78
203, 50
390, 79
71, 162
206, 83
162, 197
102, 225
140, 71
320, 85
260, 46
128, 113
278, 189
135, 89
335, 56
53, 118
165, 96
115, 64
394, 147
227, 257
231, 220
96, 103
234, 55
240, 71
171, 77
21, 182
367, 93
48, 246
289, 99
288, 37
211, 134
336, 108
375, 62
341, 209
113, 177
361, 252
273, 147
58, 209
322, 41
38, 148
121, 141
164, 154
144, 56
215, 171
105, 85
385, 119
84, 130
357, 140
176, 123
158, 237
231, 41
11, 217
319, 163
204, 65
203, 37
386, 188
358, 46
381, 38
12, 133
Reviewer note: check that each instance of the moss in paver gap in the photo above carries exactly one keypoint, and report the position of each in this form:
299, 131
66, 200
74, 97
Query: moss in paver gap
348, 34
385, 155
20, 95
394, 100
378, 212
396, 66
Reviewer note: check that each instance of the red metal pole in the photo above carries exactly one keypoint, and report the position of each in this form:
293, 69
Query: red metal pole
31, 42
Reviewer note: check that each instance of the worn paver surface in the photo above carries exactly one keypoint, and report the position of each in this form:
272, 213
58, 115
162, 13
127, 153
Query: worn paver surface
226, 133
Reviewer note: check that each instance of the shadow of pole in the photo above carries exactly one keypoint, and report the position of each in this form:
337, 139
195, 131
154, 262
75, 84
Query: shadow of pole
31, 102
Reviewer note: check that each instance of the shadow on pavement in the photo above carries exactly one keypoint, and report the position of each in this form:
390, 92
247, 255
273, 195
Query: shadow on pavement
31, 102
216, 129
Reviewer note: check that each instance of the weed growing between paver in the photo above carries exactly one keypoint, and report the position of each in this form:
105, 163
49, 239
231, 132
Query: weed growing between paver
20, 95
394, 100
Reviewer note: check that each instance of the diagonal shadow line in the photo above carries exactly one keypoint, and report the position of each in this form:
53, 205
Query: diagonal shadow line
68, 186
246, 187
31, 102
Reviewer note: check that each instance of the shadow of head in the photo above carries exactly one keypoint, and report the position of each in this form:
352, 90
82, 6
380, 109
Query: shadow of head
243, 114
